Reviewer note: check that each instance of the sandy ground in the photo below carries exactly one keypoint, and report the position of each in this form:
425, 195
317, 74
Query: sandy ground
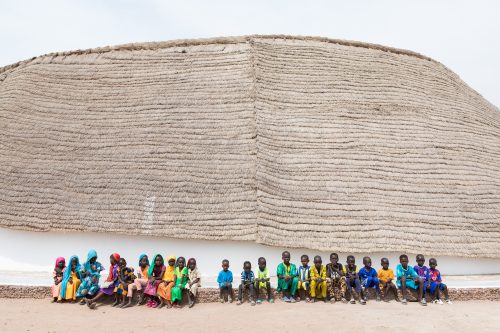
30, 315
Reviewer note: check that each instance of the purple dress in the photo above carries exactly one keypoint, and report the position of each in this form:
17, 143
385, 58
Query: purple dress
110, 290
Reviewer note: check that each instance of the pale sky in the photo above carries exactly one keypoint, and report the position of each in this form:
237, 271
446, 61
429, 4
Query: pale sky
463, 35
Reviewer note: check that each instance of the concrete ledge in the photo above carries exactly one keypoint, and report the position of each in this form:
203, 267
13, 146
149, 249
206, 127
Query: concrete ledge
210, 295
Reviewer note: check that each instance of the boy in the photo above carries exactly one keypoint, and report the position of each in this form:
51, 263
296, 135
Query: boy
263, 281
304, 279
247, 282
287, 278
352, 279
436, 284
408, 278
386, 276
318, 280
335, 279
369, 278
422, 270
225, 280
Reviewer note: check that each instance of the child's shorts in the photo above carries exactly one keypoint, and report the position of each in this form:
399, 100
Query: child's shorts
410, 284
434, 285
303, 285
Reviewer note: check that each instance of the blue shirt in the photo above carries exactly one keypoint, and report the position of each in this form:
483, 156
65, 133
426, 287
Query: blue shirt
423, 272
224, 277
364, 273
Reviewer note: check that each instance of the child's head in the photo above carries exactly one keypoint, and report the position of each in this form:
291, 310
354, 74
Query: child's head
317, 262
385, 263
60, 262
113, 260
433, 263
122, 263
350, 260
158, 260
171, 261
191, 264
181, 262
262, 263
144, 261
403, 260
225, 265
74, 263
367, 261
420, 259
304, 259
334, 258
247, 266
286, 257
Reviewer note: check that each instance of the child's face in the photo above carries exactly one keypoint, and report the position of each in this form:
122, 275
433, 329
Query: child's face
420, 260
94, 279
60, 264
351, 261
385, 264
334, 259
433, 264
181, 263
144, 261
286, 258
122, 263
318, 262
404, 262
247, 267
158, 261
225, 266
171, 262
93, 260
192, 265
304, 261
73, 267
112, 260
367, 262
262, 264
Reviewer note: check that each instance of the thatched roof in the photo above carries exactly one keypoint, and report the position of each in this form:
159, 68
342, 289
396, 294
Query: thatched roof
288, 141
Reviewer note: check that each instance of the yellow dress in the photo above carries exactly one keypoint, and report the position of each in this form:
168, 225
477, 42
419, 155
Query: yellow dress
318, 289
71, 288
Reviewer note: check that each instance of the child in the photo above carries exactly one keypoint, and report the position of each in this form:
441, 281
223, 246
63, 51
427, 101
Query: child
247, 282
155, 278
126, 277
58, 276
386, 276
109, 285
422, 270
91, 287
352, 279
90, 267
194, 278
318, 280
408, 278
164, 291
180, 280
335, 279
369, 278
287, 278
263, 280
225, 280
436, 284
140, 282
71, 280
304, 279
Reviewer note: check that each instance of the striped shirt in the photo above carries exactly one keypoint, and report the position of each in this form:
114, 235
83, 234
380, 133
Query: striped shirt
247, 277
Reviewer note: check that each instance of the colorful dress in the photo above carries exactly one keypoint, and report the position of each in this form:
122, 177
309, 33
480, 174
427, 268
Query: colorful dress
304, 277
193, 275
335, 282
409, 273
290, 285
165, 287
318, 289
180, 283
57, 274
127, 277
71, 280
111, 284
152, 285
88, 288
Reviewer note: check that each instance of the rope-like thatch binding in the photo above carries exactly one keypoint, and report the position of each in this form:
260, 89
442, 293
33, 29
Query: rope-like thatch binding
288, 141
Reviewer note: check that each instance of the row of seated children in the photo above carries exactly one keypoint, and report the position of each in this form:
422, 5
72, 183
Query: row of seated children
333, 281
158, 284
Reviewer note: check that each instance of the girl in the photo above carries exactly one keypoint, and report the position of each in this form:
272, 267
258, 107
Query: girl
126, 277
58, 276
155, 273
181, 278
109, 285
91, 267
140, 282
91, 287
71, 280
193, 284
164, 291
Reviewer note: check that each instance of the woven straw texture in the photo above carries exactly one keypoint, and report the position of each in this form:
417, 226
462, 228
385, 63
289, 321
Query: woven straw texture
287, 141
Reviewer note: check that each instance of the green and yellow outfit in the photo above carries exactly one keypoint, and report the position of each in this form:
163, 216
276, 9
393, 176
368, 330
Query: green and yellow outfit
290, 285
180, 283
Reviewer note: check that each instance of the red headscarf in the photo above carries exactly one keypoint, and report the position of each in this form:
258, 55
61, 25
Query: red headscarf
116, 256
60, 259
190, 261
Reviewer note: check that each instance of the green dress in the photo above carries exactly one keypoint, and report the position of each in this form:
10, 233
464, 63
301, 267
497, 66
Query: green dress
291, 284
180, 283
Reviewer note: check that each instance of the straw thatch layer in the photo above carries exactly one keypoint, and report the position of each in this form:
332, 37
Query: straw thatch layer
302, 142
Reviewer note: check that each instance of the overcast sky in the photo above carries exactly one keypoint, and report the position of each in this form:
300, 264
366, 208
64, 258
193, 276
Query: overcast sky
463, 35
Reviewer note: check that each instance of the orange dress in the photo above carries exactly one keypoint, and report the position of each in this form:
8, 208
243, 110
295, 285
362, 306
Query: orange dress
165, 288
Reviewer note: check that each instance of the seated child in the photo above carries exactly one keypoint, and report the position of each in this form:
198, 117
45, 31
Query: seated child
352, 280
225, 280
369, 278
422, 270
318, 280
408, 278
126, 277
58, 276
71, 280
194, 281
263, 281
155, 277
247, 282
164, 290
436, 284
304, 279
335, 279
109, 285
90, 267
89, 287
386, 276
180, 281
287, 278
140, 282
